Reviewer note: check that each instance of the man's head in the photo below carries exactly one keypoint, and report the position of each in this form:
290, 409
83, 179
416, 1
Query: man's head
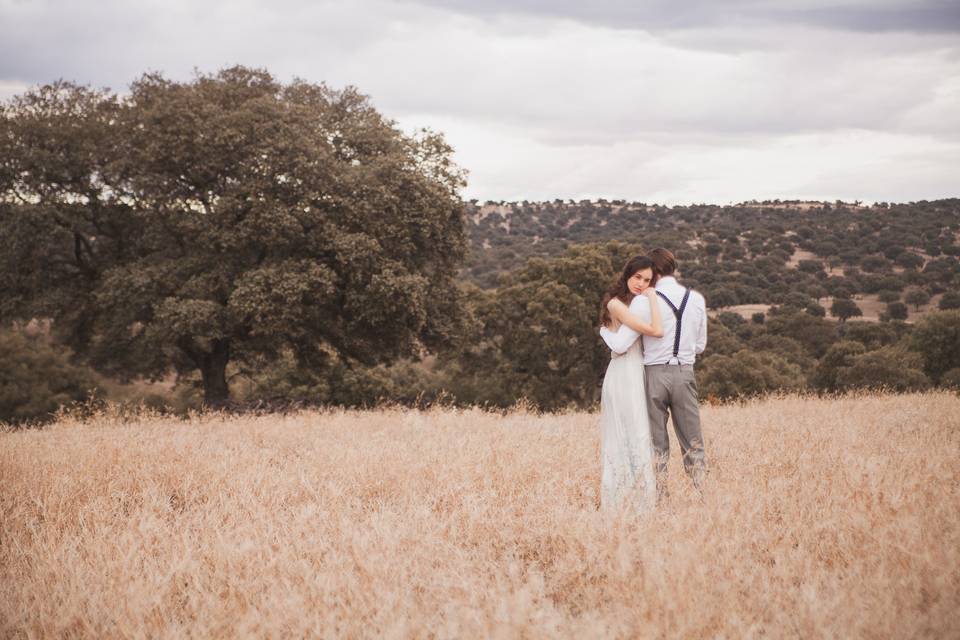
664, 262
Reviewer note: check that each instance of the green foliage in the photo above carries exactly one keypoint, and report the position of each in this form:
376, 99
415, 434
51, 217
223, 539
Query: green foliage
844, 309
950, 300
37, 378
536, 336
348, 384
730, 320
916, 297
874, 335
747, 373
815, 334
814, 267
721, 298
909, 260
937, 339
754, 239
191, 225
889, 369
897, 311
787, 348
721, 340
837, 357
951, 379
816, 310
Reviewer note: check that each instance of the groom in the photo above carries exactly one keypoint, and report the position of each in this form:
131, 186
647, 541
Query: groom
668, 365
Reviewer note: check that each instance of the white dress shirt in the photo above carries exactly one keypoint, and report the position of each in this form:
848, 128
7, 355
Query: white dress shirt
693, 326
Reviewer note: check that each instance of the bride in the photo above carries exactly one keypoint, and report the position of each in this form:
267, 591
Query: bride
626, 449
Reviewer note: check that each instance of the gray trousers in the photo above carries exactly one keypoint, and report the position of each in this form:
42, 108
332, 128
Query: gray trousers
672, 389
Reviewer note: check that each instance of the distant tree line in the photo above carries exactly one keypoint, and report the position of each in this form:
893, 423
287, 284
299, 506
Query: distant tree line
741, 254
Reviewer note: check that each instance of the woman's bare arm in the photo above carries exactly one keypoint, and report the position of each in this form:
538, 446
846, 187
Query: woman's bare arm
622, 313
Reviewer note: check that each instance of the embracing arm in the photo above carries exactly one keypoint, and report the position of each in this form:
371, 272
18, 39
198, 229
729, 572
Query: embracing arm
632, 319
641, 308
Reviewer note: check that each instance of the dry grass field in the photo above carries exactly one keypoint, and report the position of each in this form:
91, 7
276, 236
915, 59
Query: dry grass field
835, 518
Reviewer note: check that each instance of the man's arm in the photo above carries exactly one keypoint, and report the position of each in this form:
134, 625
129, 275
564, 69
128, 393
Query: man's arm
701, 327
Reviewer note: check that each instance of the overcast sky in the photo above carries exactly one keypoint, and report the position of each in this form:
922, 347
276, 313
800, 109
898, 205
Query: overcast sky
701, 101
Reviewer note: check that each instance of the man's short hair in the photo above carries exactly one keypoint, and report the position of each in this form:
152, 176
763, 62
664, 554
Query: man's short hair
664, 262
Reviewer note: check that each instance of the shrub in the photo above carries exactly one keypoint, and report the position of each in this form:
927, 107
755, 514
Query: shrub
731, 320
722, 341
721, 298
937, 339
838, 356
897, 311
950, 300
889, 369
916, 297
37, 378
815, 334
874, 335
951, 379
748, 373
816, 310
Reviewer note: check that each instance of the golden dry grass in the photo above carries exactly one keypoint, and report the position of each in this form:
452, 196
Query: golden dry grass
822, 518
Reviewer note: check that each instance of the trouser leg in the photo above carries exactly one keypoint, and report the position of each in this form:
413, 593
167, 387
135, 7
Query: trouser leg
658, 399
685, 410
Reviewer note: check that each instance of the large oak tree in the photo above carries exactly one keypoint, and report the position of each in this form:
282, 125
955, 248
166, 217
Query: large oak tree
225, 219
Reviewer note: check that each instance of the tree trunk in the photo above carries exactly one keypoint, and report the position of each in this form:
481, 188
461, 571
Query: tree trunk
213, 368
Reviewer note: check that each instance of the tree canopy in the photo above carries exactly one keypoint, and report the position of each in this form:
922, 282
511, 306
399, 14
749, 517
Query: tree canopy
225, 220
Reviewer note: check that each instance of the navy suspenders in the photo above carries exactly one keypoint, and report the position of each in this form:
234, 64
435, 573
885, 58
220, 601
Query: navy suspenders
678, 314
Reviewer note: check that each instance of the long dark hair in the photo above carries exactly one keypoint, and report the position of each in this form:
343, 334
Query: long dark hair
620, 290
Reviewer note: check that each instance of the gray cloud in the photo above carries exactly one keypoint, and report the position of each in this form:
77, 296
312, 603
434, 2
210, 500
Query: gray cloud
548, 100
865, 15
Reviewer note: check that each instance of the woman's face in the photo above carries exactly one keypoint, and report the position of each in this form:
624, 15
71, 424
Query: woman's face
639, 281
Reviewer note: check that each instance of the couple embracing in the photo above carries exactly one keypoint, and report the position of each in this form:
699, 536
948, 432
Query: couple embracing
655, 328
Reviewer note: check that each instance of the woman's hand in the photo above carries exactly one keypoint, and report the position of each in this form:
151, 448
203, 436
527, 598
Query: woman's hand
651, 293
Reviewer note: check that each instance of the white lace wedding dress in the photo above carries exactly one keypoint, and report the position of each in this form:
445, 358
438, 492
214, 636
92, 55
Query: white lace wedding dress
626, 449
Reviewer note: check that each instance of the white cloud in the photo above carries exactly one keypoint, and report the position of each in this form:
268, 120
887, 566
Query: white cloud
848, 164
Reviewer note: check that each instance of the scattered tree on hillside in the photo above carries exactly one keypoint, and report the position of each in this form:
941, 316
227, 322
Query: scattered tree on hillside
950, 300
897, 311
916, 297
844, 309
722, 298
